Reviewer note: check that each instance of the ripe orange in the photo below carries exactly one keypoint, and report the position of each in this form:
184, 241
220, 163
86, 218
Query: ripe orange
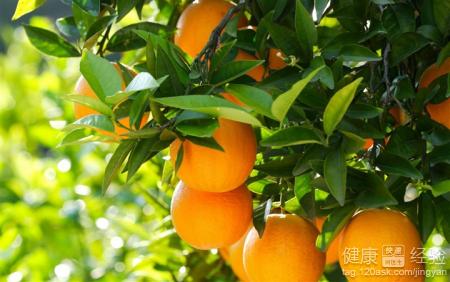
372, 239
82, 87
286, 252
438, 112
399, 115
210, 220
368, 144
197, 22
234, 256
212, 170
275, 62
332, 255
256, 73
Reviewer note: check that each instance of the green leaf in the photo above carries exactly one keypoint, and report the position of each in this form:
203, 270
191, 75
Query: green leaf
126, 38
221, 54
427, 216
26, 6
444, 54
124, 7
279, 167
257, 99
100, 25
335, 173
90, 6
76, 136
229, 71
358, 53
143, 133
67, 27
211, 105
98, 122
333, 225
441, 188
284, 38
198, 127
116, 161
50, 43
101, 75
83, 19
338, 105
440, 154
291, 136
208, 142
284, 102
392, 164
375, 193
398, 19
305, 29
90, 102
406, 45
260, 215
139, 155
441, 13
363, 111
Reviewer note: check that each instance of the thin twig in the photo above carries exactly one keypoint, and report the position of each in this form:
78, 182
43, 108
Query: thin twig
201, 62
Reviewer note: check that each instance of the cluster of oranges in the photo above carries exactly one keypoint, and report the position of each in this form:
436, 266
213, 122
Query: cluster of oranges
212, 208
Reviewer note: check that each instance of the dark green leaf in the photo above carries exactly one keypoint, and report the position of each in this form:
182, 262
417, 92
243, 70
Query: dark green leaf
198, 127
405, 45
338, 105
50, 43
208, 142
260, 215
90, 6
398, 19
427, 216
441, 13
363, 111
358, 53
440, 154
444, 54
100, 25
126, 39
305, 29
335, 173
375, 193
139, 155
392, 164
67, 27
124, 7
284, 38
232, 70
116, 161
291, 136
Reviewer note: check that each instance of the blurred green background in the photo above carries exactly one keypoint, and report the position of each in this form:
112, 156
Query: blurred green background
55, 224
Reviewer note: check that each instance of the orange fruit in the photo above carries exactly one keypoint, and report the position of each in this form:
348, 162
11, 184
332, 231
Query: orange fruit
197, 22
211, 170
275, 62
368, 144
233, 254
286, 252
256, 73
399, 115
438, 112
82, 87
210, 220
332, 255
374, 241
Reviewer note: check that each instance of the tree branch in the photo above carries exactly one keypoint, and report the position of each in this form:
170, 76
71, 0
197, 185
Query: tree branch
201, 62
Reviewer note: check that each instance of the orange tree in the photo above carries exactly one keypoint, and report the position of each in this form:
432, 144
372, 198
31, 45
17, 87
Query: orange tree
348, 99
